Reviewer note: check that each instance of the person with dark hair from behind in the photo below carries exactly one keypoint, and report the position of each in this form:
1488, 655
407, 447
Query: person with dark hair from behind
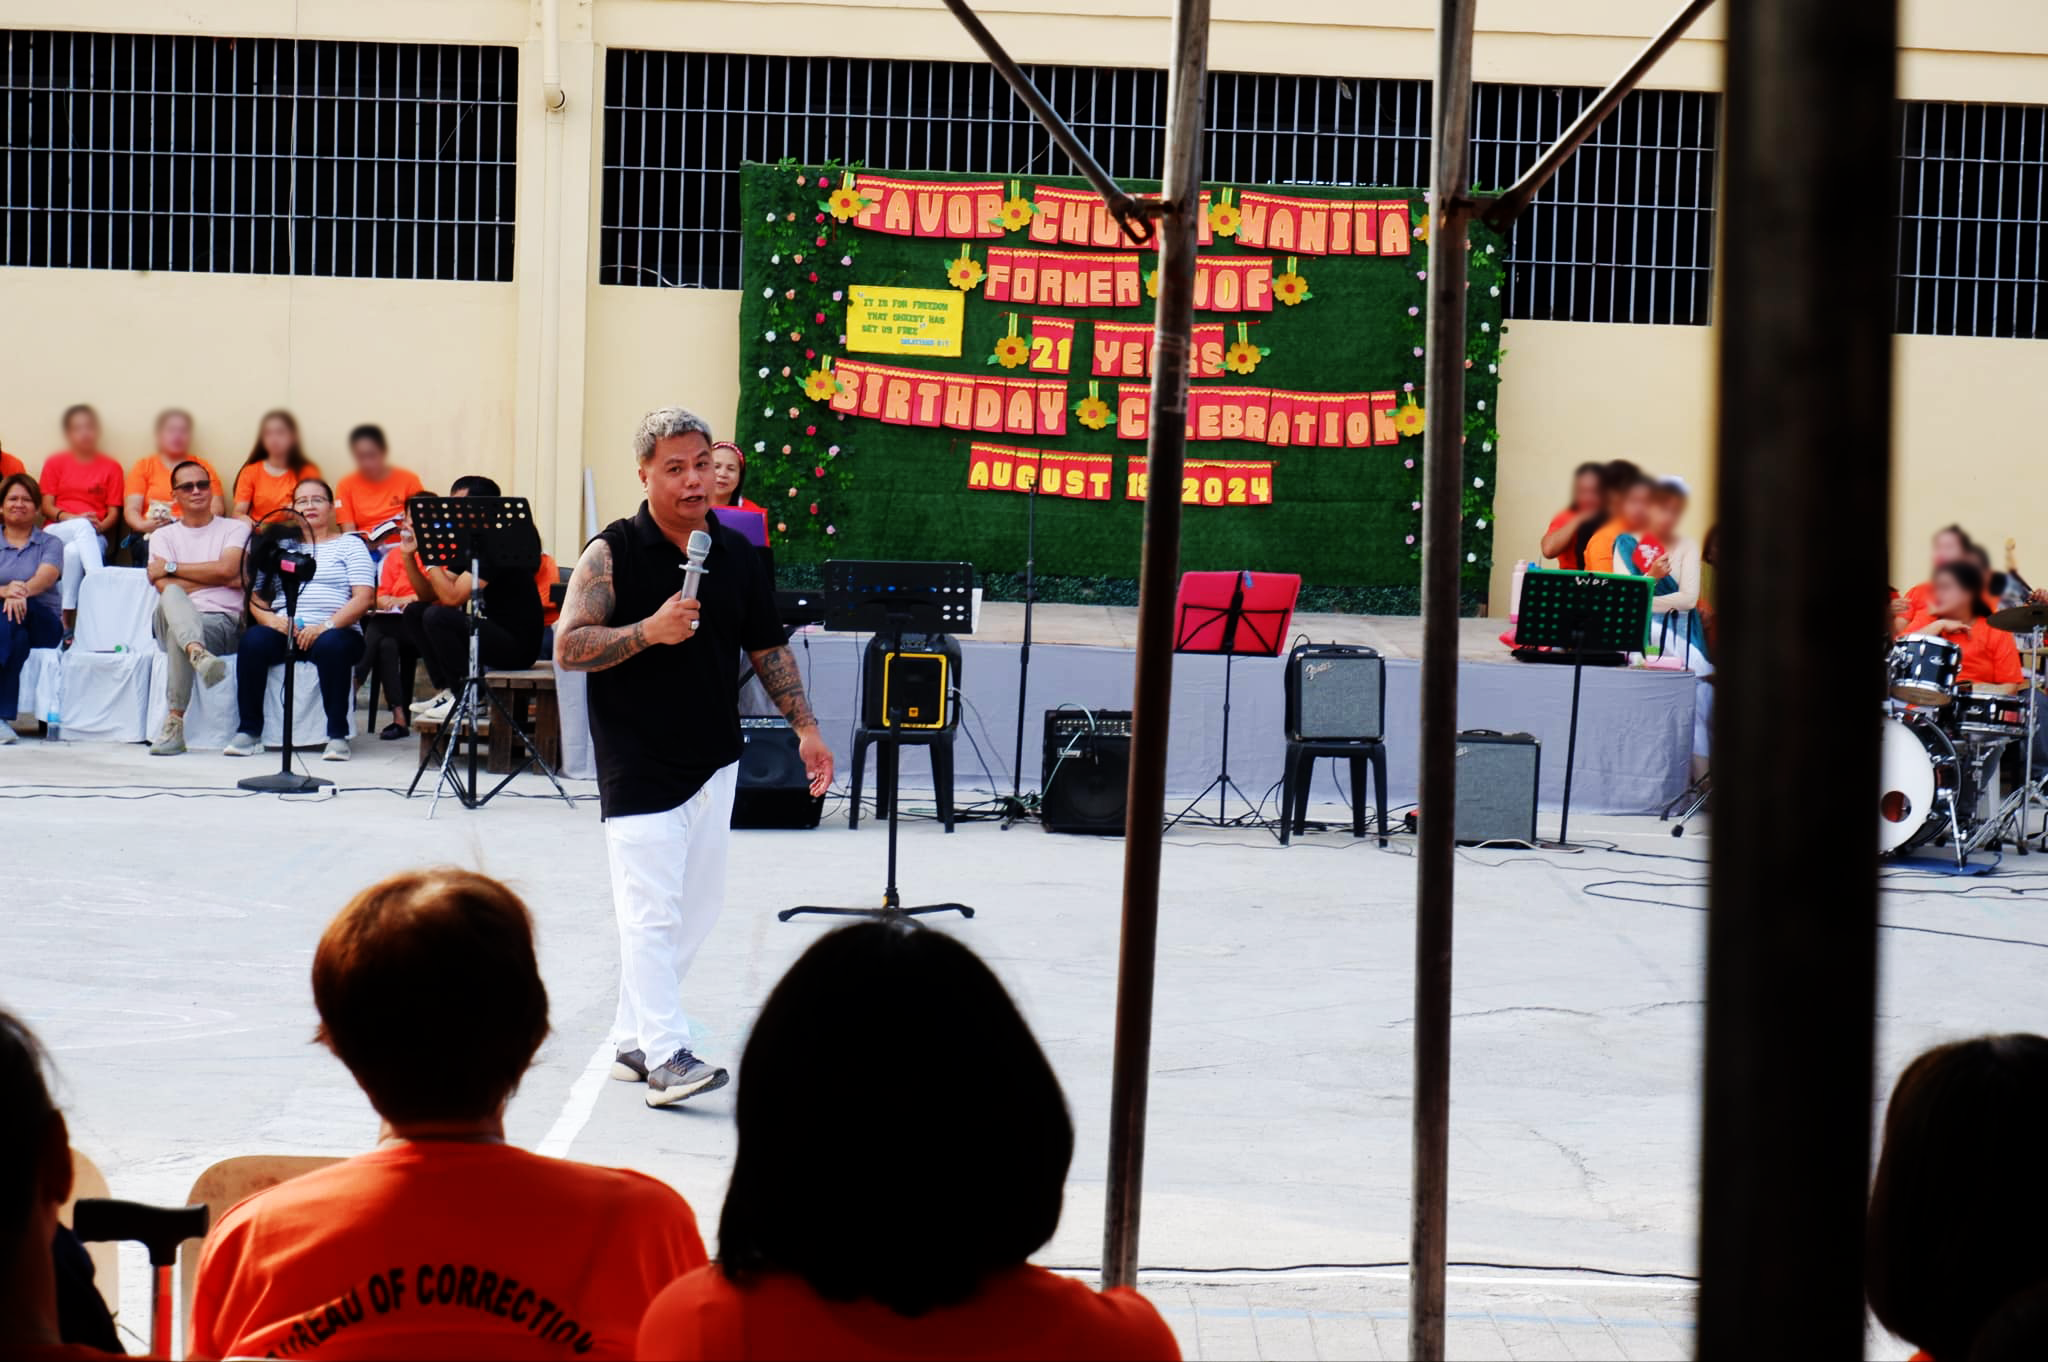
444, 1241
1961, 1195
930, 1260
2018, 1332
370, 502
508, 637
49, 1309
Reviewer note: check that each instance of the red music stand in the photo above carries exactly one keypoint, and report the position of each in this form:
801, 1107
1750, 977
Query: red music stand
1237, 614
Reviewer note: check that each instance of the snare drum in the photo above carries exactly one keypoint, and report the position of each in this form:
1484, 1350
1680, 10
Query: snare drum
1923, 670
1987, 716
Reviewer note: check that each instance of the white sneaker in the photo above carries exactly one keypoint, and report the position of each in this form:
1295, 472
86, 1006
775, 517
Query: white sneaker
7, 734
436, 710
446, 697
242, 745
337, 750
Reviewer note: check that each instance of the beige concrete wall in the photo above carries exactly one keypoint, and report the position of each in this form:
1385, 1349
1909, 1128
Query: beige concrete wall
534, 379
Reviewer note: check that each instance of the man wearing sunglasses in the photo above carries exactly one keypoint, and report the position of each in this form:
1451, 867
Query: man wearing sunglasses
196, 563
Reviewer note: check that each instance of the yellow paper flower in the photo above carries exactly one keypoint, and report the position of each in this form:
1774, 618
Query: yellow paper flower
1242, 357
819, 384
1011, 351
1408, 420
1151, 283
1092, 412
1224, 219
963, 274
1420, 231
1016, 213
1290, 288
845, 203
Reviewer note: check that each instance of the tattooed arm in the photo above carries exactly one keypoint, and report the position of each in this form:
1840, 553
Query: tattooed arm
777, 670
585, 643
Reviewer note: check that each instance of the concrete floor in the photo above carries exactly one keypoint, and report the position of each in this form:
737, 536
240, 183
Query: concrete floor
158, 931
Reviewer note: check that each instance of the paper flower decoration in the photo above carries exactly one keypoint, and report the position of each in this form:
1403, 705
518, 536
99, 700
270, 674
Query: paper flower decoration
1016, 213
1010, 351
819, 384
1151, 283
1420, 231
1224, 219
964, 273
845, 203
1409, 420
1091, 411
1291, 289
1242, 357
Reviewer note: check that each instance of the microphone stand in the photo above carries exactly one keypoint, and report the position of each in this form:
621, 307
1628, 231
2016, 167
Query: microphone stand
1016, 807
286, 780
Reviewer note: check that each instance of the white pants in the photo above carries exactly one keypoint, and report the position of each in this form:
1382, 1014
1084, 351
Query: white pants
81, 555
668, 883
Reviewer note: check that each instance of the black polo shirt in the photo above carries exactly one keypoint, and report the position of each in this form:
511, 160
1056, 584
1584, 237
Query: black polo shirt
665, 721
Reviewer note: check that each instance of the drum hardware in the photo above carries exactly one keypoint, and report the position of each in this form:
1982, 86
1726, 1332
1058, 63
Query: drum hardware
1923, 670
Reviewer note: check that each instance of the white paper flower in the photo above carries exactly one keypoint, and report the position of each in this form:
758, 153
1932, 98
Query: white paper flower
767, 411
1482, 404
1414, 505
760, 446
1479, 524
1489, 250
1487, 446
770, 335
767, 293
1493, 368
775, 260
1493, 292
1479, 482
838, 296
1486, 326
764, 371
1471, 557
1418, 352
846, 260
771, 217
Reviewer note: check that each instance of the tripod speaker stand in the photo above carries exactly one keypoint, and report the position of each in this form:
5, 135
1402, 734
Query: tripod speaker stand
1231, 613
460, 533
894, 599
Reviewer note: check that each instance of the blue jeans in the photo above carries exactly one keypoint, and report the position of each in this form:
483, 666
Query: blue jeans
335, 653
41, 629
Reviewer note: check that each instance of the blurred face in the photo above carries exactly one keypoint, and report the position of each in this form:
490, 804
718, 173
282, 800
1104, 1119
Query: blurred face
277, 441
1635, 506
82, 433
678, 479
19, 509
1949, 599
1666, 509
174, 435
1948, 546
371, 458
193, 489
1587, 496
725, 474
314, 506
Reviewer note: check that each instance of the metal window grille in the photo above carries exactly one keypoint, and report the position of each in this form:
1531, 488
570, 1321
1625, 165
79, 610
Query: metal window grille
1973, 197
1630, 240
257, 156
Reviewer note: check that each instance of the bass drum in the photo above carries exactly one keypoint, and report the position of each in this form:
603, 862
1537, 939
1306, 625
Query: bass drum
1921, 778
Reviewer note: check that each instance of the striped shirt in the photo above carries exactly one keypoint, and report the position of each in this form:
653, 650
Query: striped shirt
343, 563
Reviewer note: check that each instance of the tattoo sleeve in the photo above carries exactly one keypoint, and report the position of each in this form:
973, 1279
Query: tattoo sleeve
583, 641
777, 669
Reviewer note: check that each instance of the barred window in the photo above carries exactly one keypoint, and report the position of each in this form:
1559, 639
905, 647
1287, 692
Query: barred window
258, 156
1626, 236
1973, 195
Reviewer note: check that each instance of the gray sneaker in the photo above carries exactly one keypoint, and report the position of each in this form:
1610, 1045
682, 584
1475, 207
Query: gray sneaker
170, 742
630, 1066
683, 1075
211, 670
336, 750
242, 745
8, 737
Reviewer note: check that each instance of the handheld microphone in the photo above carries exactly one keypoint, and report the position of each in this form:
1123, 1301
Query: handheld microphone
693, 570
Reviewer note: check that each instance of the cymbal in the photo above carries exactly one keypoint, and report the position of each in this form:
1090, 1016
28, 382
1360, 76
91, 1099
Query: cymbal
2021, 619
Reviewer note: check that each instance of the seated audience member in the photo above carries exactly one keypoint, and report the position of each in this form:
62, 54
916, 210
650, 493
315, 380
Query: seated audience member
509, 634
82, 494
444, 1241
1956, 611
153, 499
276, 465
31, 563
1676, 566
49, 1309
327, 628
1628, 516
387, 644
932, 1260
1961, 1192
375, 494
9, 466
196, 564
1950, 543
728, 477
1586, 512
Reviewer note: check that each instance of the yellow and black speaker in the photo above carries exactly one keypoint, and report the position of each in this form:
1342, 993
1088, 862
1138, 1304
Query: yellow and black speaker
918, 680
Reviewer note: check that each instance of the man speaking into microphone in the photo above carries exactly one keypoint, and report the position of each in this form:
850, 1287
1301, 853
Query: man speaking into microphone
658, 611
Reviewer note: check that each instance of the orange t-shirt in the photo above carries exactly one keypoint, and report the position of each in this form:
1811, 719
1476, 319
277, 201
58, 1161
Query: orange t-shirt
266, 491
547, 578
442, 1249
9, 466
1989, 655
92, 487
1569, 559
1025, 1312
366, 505
391, 578
1600, 548
150, 479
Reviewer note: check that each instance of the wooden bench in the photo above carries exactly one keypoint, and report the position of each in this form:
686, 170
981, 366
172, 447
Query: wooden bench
529, 696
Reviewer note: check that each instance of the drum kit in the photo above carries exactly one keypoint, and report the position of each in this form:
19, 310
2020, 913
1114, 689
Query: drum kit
1944, 743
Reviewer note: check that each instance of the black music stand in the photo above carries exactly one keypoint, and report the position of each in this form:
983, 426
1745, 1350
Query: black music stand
894, 599
1232, 613
1576, 614
458, 533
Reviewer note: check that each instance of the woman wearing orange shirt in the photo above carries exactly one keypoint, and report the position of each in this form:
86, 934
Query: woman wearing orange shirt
1956, 611
150, 502
1961, 1192
728, 476
1950, 543
922, 1256
1576, 523
274, 469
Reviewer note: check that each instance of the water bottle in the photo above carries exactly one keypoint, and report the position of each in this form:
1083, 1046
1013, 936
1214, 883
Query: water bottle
56, 728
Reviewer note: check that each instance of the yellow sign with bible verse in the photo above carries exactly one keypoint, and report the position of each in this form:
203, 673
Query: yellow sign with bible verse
905, 321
